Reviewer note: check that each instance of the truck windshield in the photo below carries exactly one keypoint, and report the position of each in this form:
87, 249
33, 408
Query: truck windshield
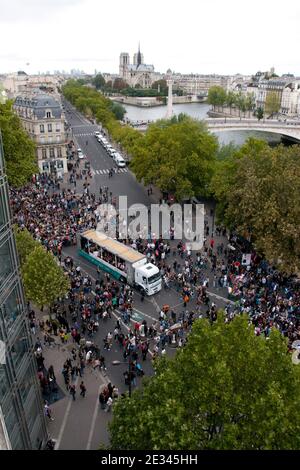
154, 278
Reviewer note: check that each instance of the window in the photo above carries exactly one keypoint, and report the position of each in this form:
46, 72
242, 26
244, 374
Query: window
12, 308
49, 127
57, 128
3, 211
59, 152
20, 347
51, 151
44, 154
42, 128
3, 383
45, 166
6, 266
48, 114
60, 164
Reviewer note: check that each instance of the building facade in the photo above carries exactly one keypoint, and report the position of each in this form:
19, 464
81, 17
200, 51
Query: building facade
137, 73
43, 119
198, 84
22, 422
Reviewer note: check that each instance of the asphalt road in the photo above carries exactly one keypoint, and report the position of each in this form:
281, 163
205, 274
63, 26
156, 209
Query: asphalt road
121, 184
81, 424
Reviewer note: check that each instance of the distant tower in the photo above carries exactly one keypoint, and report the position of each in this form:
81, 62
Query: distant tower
124, 62
170, 95
139, 57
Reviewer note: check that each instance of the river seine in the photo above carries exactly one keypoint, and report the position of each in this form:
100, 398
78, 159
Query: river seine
198, 111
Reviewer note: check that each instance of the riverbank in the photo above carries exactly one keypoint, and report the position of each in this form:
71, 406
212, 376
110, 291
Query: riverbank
226, 113
153, 101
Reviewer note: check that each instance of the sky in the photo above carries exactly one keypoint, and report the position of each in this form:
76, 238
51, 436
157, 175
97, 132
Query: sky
190, 36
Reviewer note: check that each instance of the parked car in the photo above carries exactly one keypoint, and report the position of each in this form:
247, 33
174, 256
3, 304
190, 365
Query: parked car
109, 148
112, 153
80, 154
97, 134
119, 161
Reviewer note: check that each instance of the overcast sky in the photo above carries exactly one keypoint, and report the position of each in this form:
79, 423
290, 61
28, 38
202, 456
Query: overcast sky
190, 36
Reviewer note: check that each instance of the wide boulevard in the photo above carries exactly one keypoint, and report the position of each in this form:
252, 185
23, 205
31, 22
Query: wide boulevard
81, 424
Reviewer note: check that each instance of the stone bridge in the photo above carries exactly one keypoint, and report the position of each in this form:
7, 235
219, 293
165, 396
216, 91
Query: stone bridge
286, 128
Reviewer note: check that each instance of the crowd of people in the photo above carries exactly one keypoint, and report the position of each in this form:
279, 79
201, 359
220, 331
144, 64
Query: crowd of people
55, 216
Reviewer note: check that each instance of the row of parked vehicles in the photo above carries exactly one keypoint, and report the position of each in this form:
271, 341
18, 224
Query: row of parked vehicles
116, 156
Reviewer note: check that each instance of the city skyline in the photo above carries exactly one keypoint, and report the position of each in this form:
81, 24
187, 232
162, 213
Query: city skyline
201, 38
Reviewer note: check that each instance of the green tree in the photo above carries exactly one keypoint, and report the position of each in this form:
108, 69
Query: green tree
99, 81
19, 149
273, 103
44, 280
241, 103
259, 113
177, 156
216, 96
25, 243
118, 110
230, 99
160, 85
257, 191
227, 389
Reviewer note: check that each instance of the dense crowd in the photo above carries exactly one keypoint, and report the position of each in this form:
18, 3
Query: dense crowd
55, 216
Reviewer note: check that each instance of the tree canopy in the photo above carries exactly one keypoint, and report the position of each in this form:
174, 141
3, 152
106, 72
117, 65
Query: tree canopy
258, 189
19, 149
177, 156
273, 103
44, 280
216, 96
226, 389
98, 81
25, 243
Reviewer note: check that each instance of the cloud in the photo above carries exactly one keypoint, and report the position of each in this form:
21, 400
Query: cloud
19, 10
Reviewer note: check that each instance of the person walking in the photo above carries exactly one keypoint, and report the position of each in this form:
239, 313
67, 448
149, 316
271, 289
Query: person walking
47, 411
109, 404
73, 391
102, 401
83, 389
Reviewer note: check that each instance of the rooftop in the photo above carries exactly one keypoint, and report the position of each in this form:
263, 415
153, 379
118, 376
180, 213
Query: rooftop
123, 251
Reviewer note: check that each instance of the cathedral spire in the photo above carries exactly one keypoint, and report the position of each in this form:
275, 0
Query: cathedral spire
139, 56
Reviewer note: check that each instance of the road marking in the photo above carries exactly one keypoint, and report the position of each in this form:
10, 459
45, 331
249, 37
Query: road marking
58, 441
104, 381
220, 297
145, 314
155, 304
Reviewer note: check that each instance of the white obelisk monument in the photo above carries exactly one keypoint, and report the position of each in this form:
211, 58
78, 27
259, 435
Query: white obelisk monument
170, 95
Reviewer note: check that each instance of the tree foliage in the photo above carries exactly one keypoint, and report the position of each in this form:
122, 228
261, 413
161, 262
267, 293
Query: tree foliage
44, 280
273, 103
98, 81
177, 156
258, 189
227, 389
118, 110
19, 149
25, 243
216, 96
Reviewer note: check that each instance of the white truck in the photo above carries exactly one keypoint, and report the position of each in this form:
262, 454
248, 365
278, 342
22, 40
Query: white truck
121, 261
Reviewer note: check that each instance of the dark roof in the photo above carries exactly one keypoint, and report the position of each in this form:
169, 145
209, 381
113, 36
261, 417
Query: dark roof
39, 104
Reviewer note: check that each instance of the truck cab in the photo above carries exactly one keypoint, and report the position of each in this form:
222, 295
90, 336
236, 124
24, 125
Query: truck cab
148, 278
